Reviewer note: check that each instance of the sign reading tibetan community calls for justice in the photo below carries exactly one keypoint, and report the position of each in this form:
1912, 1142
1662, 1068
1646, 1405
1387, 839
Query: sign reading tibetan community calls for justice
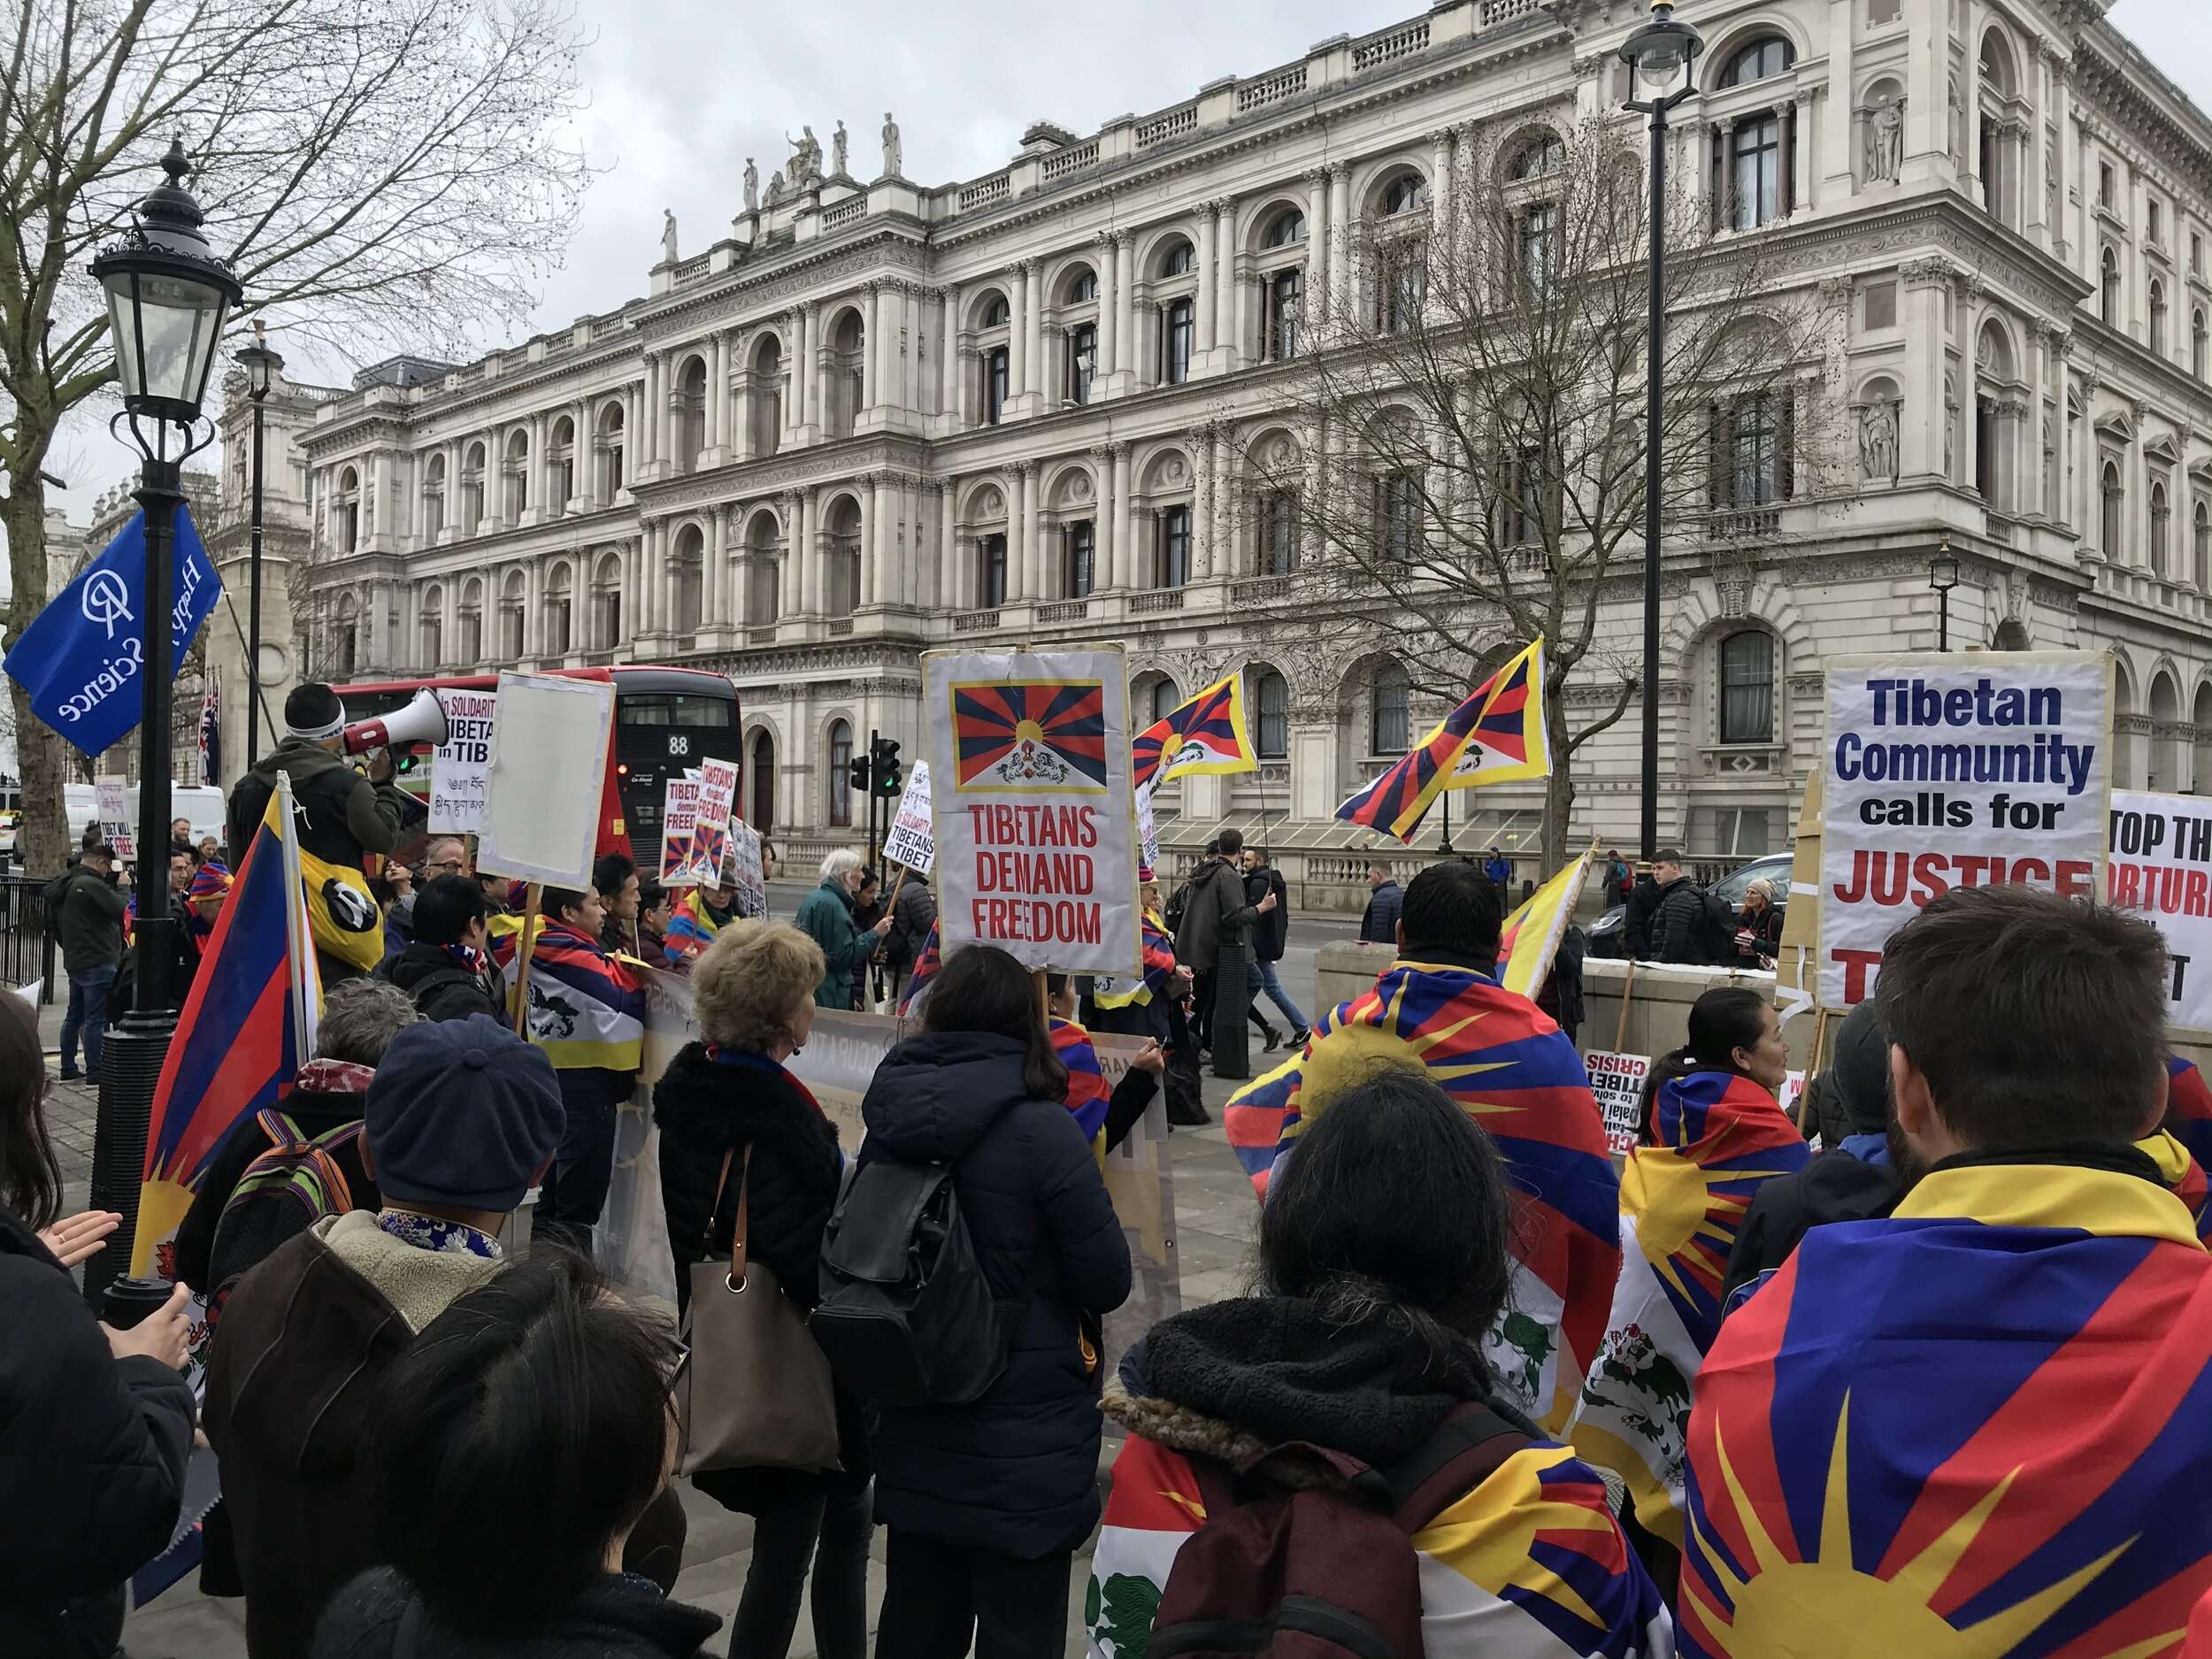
1971, 769
1031, 805
2162, 869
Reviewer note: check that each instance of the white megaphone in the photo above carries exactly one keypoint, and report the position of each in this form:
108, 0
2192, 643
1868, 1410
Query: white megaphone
421, 721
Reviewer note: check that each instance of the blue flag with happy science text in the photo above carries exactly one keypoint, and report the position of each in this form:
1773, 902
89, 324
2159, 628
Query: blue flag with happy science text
82, 657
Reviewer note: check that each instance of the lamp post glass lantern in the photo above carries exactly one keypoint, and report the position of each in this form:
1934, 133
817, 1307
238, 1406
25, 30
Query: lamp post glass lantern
262, 366
1943, 575
169, 296
1659, 53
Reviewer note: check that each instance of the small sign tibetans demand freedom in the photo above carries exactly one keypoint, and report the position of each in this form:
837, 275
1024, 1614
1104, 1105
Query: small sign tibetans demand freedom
1032, 805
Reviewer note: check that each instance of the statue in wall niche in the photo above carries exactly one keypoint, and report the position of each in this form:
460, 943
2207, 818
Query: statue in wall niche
752, 187
839, 143
1886, 141
1877, 441
893, 151
668, 236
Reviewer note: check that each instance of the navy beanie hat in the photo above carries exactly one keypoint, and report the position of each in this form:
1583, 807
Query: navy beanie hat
461, 1112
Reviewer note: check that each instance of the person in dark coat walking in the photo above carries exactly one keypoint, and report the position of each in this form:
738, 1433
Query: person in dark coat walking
1684, 916
1270, 937
447, 970
1386, 902
734, 1122
986, 1501
913, 913
98, 1421
86, 907
506, 1502
1218, 910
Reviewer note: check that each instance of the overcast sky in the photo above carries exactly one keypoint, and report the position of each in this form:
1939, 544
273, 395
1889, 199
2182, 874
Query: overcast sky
681, 93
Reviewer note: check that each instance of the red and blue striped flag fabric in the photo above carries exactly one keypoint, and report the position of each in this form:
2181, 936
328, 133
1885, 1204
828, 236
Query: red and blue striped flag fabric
1500, 727
1206, 735
1516, 1075
691, 929
1718, 1138
1159, 963
1087, 1094
238, 1044
927, 960
586, 1010
1980, 1428
2189, 1107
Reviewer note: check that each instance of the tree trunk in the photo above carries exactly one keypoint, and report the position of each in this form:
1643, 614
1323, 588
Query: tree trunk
1559, 788
42, 835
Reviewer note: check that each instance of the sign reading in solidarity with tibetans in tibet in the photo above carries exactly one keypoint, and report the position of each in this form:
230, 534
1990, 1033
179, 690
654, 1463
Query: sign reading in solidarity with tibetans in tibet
1033, 806
1961, 770
2162, 869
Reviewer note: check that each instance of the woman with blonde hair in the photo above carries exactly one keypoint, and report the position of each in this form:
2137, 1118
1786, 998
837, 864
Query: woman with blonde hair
730, 1097
1758, 927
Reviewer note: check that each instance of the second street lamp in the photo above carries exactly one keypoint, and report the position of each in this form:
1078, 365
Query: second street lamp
1943, 575
262, 366
1658, 55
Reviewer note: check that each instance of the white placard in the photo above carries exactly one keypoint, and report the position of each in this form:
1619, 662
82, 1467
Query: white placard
1034, 814
2162, 869
1617, 1081
461, 767
113, 805
912, 842
710, 832
1968, 770
741, 871
1148, 832
680, 813
1793, 1092
539, 825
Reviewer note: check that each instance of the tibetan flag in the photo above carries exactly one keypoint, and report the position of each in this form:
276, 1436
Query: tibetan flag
2189, 1107
1087, 1094
1530, 938
246, 1028
1020, 736
1517, 1076
1206, 735
1981, 1427
1497, 736
1720, 1137
1159, 966
1530, 1564
2184, 1177
691, 929
586, 1010
927, 960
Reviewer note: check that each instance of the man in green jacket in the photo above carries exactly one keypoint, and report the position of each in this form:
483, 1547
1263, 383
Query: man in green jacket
86, 907
825, 915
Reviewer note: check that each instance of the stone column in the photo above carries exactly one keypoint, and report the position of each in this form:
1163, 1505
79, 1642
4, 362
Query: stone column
1017, 330
1125, 305
1225, 333
2137, 518
1031, 555
651, 450
943, 576
1441, 194
2061, 88
1032, 325
875, 385
714, 579
1316, 243
1840, 138
1109, 246
875, 558
2035, 220
1222, 560
1209, 245
1798, 123
1201, 516
1122, 562
717, 415
1339, 249
949, 363
1971, 96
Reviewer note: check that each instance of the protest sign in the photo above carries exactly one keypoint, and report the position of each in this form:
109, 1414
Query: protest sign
911, 841
1032, 807
1971, 769
538, 824
741, 870
711, 829
1617, 1081
1793, 1092
2162, 869
1148, 832
461, 767
680, 813
113, 805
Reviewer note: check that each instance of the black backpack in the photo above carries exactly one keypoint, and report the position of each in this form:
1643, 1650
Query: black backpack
1715, 929
1178, 903
907, 1317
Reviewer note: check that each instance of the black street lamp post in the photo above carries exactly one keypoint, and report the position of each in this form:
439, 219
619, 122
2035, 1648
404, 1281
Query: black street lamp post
1656, 54
168, 298
1943, 575
261, 365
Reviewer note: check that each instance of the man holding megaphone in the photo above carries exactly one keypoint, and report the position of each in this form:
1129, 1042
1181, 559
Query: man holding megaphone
344, 815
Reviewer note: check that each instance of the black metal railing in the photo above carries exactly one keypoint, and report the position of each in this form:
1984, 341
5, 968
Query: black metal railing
26, 943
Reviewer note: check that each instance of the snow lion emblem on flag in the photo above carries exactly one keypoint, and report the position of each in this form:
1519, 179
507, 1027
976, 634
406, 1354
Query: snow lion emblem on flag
1028, 736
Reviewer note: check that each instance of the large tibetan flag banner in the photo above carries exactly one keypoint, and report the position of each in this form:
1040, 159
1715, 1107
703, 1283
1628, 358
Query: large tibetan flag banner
1206, 735
1530, 938
248, 1026
1032, 805
1974, 1430
1719, 1137
1517, 1074
1497, 736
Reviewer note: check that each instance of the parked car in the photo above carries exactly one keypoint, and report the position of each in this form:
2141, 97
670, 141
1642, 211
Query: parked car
1606, 933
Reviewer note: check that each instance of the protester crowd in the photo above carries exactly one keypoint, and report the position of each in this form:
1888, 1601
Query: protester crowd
1924, 1370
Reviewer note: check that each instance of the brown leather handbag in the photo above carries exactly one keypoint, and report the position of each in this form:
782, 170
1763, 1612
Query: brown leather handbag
758, 1393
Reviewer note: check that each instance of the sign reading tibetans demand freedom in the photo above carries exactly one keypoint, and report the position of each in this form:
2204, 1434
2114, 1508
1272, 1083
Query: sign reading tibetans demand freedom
461, 767
1032, 807
1972, 770
2162, 868
680, 811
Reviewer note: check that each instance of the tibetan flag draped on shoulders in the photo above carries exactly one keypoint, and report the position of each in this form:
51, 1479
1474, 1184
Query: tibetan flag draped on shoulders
1517, 1074
1159, 963
1495, 736
586, 1010
2184, 1177
1979, 1428
1530, 938
1206, 735
246, 1028
1720, 1137
1530, 1564
1087, 1094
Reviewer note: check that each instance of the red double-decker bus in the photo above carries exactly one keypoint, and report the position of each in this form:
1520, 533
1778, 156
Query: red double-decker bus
665, 720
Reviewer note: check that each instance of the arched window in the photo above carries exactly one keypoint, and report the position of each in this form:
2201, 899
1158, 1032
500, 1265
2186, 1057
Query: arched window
991, 559
1390, 730
1278, 534
841, 762
1082, 557
2115, 501
1083, 289
1272, 696
1538, 157
2201, 548
611, 477
1770, 55
996, 315
2108, 284
1407, 194
1288, 227
1166, 698
2161, 519
1747, 688
1179, 260
349, 510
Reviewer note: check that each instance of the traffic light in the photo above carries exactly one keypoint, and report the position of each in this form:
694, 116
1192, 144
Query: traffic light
858, 772
886, 758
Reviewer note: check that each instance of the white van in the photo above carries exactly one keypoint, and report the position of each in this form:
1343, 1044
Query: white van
203, 804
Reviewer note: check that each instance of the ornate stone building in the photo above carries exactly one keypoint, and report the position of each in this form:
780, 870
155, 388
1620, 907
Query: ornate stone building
876, 418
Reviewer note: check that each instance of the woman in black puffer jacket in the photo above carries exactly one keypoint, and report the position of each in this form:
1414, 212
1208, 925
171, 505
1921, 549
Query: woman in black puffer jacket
986, 1501
753, 990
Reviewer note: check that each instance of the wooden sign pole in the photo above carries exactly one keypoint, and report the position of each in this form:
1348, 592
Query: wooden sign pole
522, 959
1628, 989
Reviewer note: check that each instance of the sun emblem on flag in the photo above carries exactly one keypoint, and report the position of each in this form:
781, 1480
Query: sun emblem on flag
1031, 736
